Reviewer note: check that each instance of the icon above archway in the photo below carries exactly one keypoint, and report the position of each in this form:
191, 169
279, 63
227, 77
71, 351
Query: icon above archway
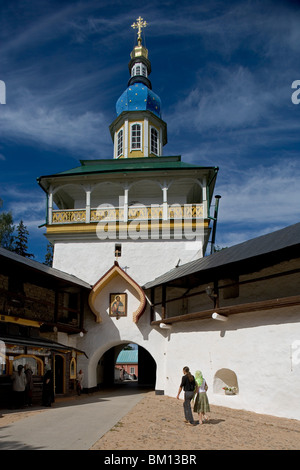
118, 305
117, 295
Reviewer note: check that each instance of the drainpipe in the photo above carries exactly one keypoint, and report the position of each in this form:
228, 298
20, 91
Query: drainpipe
213, 238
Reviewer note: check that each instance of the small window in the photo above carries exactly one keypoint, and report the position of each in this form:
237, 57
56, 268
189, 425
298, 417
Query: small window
154, 141
118, 250
139, 69
120, 143
136, 134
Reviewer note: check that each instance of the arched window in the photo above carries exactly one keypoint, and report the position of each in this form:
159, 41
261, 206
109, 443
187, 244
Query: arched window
73, 368
136, 137
120, 143
35, 363
223, 379
154, 140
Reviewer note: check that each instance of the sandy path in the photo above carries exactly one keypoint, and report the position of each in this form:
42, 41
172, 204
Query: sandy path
157, 423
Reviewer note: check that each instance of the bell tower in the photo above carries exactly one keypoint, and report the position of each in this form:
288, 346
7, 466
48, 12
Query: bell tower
147, 209
138, 130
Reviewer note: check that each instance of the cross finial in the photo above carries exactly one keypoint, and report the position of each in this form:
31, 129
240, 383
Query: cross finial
139, 25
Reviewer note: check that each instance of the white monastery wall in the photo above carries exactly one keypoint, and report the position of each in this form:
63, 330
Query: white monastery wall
142, 260
258, 347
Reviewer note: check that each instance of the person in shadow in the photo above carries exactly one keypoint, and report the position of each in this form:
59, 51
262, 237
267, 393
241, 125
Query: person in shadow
29, 385
18, 386
48, 389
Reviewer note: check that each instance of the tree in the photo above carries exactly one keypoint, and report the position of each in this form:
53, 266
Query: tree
21, 241
7, 231
49, 255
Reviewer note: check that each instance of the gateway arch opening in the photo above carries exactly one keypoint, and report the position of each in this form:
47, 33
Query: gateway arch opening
135, 370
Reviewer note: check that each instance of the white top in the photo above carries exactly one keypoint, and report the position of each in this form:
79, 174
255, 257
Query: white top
202, 387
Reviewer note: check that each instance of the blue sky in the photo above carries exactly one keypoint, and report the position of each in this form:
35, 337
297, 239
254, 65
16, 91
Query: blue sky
223, 71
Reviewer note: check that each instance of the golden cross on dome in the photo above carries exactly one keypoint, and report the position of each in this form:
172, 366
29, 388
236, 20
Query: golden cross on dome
139, 24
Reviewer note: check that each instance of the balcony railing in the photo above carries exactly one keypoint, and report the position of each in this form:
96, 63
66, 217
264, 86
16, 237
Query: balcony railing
124, 214
69, 216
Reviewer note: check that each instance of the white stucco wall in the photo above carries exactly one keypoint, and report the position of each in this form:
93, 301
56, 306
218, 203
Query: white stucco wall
258, 347
142, 260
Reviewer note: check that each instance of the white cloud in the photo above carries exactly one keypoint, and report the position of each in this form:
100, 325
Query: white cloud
225, 99
262, 196
35, 121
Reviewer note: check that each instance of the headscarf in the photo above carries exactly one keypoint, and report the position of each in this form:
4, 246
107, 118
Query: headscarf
199, 377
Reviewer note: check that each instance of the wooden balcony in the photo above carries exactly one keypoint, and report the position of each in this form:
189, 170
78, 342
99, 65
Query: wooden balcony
126, 214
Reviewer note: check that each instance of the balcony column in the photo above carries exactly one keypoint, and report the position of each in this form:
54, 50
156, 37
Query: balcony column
204, 199
126, 190
50, 205
87, 205
126, 139
146, 137
165, 202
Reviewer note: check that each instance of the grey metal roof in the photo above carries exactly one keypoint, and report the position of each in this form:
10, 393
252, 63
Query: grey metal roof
43, 268
266, 244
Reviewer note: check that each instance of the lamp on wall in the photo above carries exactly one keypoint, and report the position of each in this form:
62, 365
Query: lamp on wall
217, 316
210, 292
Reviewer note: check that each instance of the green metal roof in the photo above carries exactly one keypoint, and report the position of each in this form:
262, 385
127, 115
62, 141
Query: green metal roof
128, 356
129, 164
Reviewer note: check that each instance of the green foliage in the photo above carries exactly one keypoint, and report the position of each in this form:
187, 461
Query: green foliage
49, 255
7, 229
21, 241
18, 243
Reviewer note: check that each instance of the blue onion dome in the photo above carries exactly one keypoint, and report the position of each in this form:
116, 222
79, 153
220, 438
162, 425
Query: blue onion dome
138, 97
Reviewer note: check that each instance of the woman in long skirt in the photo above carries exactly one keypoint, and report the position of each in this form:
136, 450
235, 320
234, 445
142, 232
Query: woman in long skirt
201, 405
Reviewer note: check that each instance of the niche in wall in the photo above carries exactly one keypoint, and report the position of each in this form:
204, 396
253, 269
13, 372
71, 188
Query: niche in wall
225, 378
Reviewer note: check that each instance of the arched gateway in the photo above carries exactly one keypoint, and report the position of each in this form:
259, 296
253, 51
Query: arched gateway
117, 304
107, 372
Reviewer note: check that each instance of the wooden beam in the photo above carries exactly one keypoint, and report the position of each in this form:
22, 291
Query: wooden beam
20, 321
235, 309
163, 301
